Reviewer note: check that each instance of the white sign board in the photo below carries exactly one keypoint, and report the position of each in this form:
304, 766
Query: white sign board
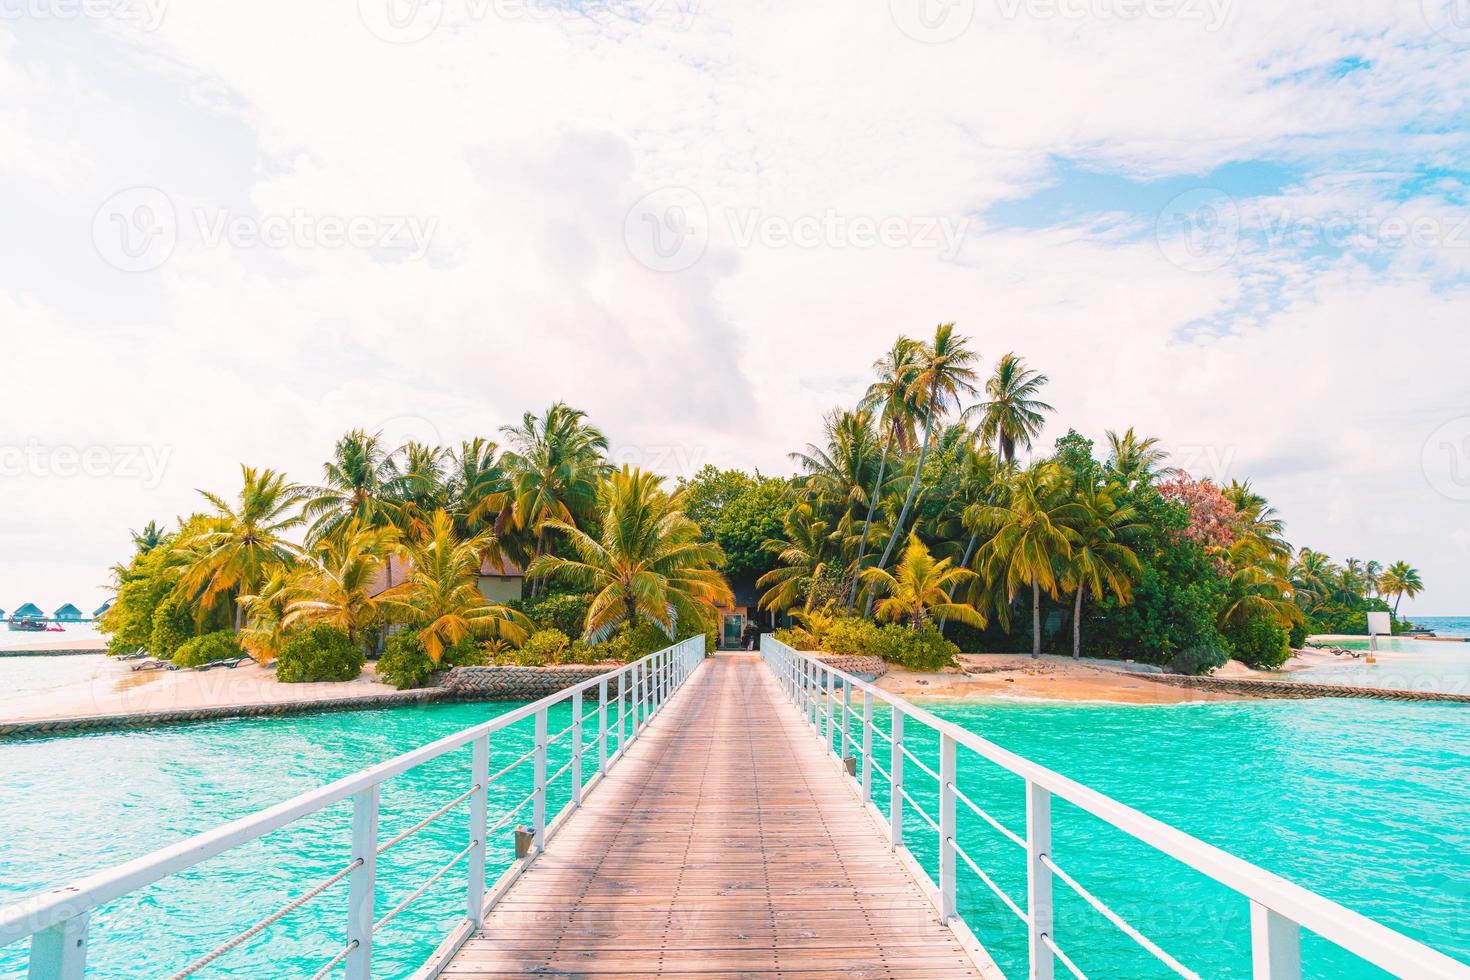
1379, 624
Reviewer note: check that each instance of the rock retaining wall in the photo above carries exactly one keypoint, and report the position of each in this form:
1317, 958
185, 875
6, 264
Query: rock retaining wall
149, 719
519, 683
1292, 689
858, 666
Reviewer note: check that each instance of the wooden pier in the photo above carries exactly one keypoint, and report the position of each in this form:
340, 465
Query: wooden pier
725, 845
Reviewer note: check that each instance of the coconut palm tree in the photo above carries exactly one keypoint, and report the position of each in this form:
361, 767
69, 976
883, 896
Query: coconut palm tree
804, 553
1372, 572
243, 542
1310, 575
1399, 580
149, 538
943, 377
1136, 459
1012, 415
836, 475
441, 599
1033, 533
1259, 586
417, 485
892, 396
648, 562
1100, 558
921, 588
1257, 517
263, 634
554, 466
477, 486
338, 583
358, 484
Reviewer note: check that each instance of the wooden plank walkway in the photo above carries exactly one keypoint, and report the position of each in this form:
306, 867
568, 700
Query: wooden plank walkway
724, 845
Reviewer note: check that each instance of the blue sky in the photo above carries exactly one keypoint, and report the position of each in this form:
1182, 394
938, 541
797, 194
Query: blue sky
1243, 233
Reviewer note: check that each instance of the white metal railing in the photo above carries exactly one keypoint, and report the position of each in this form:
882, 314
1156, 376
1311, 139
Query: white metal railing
1279, 910
56, 921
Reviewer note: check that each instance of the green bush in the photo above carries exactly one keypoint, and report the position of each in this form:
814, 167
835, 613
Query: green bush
1259, 643
851, 635
406, 664
923, 649
567, 613
545, 646
1198, 659
172, 627
319, 653
219, 645
795, 640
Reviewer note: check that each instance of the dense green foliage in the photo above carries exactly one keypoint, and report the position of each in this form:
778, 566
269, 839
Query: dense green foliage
219, 645
559, 611
405, 663
319, 653
924, 649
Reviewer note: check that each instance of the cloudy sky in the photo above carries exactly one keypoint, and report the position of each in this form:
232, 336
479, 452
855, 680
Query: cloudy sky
234, 231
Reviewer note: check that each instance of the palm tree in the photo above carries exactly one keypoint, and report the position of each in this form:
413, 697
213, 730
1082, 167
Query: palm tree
837, 475
477, 486
1100, 560
358, 484
554, 467
244, 542
1012, 415
1136, 459
1259, 586
1032, 537
944, 375
1399, 580
804, 555
921, 587
1257, 517
648, 563
263, 634
898, 412
417, 485
337, 585
1372, 572
1310, 575
441, 597
149, 538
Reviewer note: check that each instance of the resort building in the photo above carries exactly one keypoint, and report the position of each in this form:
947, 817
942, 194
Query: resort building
28, 611
737, 619
102, 609
67, 614
499, 581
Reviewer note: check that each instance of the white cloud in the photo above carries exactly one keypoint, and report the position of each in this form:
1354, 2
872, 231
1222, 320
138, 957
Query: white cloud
526, 140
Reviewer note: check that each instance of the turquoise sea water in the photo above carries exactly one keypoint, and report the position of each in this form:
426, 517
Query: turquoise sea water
1445, 625
1365, 802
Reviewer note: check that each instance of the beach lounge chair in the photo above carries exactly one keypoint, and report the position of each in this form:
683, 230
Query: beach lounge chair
153, 663
137, 654
230, 662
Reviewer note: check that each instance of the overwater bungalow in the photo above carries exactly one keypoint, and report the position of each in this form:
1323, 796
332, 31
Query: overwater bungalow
67, 614
102, 609
28, 611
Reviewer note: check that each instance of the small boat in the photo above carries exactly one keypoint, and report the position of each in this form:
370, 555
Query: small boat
28, 624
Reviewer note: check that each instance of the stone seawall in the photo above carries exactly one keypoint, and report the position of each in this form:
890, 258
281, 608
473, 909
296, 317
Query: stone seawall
519, 683
149, 719
1293, 690
868, 668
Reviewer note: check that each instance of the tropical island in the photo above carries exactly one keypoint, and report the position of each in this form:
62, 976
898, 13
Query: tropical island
913, 531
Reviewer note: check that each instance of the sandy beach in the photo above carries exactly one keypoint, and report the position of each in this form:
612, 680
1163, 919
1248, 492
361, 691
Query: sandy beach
1050, 678
49, 688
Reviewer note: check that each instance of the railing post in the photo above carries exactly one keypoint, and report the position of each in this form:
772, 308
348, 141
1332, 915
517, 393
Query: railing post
362, 884
479, 779
846, 716
538, 808
577, 748
1038, 879
624, 690
867, 746
602, 726
895, 783
947, 855
827, 696
1276, 945
60, 952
